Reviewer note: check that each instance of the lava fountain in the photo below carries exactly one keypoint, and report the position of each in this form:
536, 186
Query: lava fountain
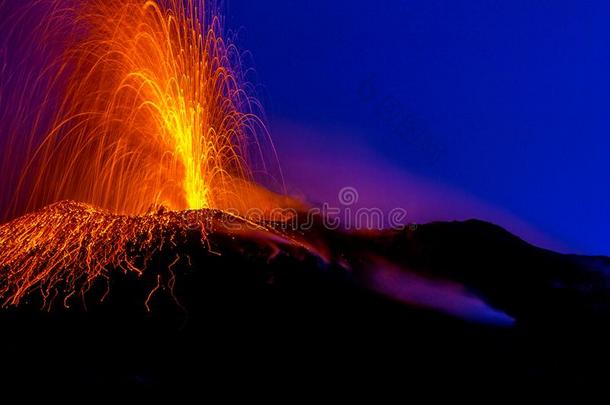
143, 104
124, 107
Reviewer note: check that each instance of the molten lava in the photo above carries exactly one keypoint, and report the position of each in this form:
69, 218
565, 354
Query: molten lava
144, 104
63, 250
123, 106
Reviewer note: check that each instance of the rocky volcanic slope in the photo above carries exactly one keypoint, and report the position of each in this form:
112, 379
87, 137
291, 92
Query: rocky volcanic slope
211, 307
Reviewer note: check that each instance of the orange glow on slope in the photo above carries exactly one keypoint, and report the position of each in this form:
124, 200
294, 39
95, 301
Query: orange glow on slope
154, 111
63, 250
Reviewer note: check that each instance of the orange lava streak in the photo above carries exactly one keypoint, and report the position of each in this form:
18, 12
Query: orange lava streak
69, 247
63, 251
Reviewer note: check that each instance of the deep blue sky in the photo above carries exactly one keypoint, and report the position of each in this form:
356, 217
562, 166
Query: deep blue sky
506, 100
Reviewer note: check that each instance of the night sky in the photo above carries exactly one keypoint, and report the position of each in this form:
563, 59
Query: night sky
496, 104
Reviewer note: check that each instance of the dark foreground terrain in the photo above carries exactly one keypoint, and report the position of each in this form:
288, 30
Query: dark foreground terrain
252, 315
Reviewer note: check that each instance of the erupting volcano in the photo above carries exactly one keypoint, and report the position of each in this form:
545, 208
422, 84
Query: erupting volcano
146, 227
142, 105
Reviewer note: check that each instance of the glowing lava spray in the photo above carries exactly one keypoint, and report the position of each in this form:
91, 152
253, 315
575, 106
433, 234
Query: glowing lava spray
110, 109
137, 104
